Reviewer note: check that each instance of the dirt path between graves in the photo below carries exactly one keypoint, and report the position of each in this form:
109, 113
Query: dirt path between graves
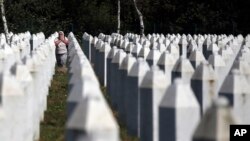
53, 126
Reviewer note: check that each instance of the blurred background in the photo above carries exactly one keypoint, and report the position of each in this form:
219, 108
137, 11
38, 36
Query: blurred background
160, 16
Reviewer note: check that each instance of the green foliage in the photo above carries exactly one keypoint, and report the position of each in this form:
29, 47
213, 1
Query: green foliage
161, 16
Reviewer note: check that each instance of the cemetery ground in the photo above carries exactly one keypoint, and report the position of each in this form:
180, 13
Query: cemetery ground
53, 126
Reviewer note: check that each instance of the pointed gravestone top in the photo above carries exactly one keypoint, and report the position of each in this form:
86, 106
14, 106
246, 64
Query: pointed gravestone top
216, 60
153, 39
166, 42
101, 36
113, 40
200, 40
137, 48
129, 47
183, 41
192, 46
144, 52
85, 35
146, 44
108, 39
99, 44
94, 41
155, 78
141, 41
179, 94
89, 38
120, 42
213, 48
124, 44
204, 72
105, 47
160, 40
240, 38
234, 83
86, 117
189, 37
242, 66
127, 63
229, 50
154, 46
222, 51
173, 49
166, 59
215, 123
176, 41
235, 42
149, 36
184, 36
196, 56
117, 41
183, 65
139, 68
136, 40
119, 56
112, 52
207, 42
245, 49
161, 47
153, 54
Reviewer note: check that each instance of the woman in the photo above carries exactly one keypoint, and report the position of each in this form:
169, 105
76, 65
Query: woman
61, 43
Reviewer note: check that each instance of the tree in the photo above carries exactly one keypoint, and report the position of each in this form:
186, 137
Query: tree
140, 18
159, 16
119, 16
4, 21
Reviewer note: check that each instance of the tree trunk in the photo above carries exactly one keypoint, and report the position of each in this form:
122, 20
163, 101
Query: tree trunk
4, 21
119, 17
140, 18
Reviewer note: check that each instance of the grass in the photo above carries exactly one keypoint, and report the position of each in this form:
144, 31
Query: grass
53, 126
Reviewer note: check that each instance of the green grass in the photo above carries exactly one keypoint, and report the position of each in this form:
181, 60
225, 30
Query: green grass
53, 126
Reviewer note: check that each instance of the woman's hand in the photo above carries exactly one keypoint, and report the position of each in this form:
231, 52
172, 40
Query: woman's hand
57, 42
65, 41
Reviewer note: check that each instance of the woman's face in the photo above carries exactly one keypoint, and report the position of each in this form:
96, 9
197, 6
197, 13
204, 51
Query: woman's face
61, 35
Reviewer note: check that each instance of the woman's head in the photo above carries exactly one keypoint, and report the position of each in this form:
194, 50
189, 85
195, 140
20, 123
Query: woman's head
61, 34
